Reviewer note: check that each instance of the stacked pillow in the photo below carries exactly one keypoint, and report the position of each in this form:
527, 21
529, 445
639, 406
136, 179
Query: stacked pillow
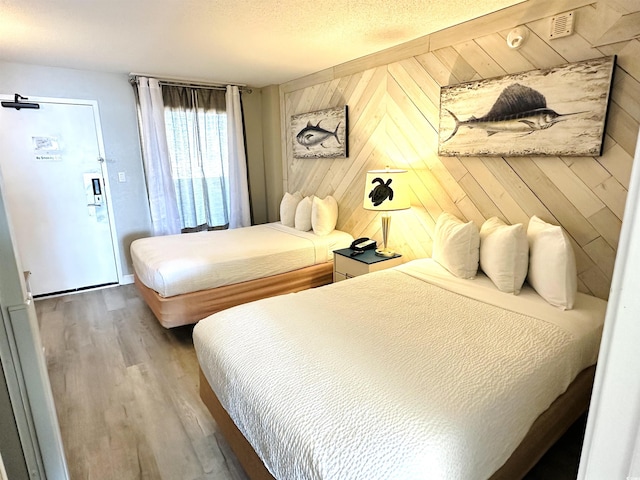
552, 264
288, 207
303, 214
456, 245
309, 213
504, 254
324, 215
508, 255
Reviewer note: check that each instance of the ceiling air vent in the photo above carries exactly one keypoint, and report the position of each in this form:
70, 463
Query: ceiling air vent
561, 25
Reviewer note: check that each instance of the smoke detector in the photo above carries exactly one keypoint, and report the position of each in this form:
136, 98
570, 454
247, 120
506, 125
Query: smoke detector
517, 37
561, 25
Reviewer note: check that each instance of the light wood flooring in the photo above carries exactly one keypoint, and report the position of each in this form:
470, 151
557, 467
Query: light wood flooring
126, 392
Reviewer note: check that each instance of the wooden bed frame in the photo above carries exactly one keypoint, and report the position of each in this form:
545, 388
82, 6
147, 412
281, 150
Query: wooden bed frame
544, 432
190, 307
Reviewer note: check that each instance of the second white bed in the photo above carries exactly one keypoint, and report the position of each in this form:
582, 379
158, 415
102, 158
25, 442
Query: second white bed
405, 373
177, 264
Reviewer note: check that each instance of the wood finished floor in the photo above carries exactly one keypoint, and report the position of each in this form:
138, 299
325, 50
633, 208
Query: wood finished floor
126, 392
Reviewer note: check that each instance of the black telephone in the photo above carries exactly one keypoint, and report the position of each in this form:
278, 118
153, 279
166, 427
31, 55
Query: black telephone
360, 245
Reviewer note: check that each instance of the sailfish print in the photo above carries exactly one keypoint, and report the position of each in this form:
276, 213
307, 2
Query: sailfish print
517, 109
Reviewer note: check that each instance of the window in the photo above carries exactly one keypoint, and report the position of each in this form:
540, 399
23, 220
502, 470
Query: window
194, 156
196, 127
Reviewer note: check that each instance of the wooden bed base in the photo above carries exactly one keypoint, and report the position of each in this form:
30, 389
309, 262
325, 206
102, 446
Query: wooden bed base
544, 432
190, 307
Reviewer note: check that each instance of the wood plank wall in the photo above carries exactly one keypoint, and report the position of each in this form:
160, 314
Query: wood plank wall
393, 100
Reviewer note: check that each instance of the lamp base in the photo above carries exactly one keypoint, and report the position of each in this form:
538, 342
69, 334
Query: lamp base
385, 252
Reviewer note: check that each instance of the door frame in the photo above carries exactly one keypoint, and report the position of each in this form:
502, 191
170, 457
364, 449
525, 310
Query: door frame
611, 444
103, 166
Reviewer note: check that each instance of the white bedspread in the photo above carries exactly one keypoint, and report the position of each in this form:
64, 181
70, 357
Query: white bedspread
390, 376
176, 264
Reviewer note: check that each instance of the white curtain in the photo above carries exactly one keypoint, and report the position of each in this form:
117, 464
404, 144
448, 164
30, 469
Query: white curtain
238, 191
165, 217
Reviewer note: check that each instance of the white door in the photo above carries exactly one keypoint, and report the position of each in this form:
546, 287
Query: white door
51, 163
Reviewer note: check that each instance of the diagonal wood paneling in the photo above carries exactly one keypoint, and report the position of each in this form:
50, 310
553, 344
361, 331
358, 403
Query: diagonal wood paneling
393, 100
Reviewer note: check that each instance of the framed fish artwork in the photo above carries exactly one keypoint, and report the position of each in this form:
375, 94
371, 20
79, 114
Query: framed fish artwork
559, 111
320, 134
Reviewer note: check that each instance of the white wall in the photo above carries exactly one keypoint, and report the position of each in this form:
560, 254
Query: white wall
273, 160
252, 110
116, 103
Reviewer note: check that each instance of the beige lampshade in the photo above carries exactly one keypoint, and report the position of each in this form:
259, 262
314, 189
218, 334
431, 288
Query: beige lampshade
386, 190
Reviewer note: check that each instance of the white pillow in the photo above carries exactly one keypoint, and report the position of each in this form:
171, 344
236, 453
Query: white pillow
324, 215
504, 254
456, 245
288, 208
303, 214
552, 264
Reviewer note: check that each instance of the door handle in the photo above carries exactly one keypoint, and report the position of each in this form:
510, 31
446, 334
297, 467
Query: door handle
97, 192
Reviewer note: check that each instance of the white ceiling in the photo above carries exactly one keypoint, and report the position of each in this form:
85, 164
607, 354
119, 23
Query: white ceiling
253, 42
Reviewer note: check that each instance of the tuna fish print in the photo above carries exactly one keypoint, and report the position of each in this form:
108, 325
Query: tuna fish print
321, 134
559, 111
313, 135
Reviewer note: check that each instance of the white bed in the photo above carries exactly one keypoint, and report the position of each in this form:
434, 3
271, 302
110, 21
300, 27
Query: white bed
171, 269
404, 373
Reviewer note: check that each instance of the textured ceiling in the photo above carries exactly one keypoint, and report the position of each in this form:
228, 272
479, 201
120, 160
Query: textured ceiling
253, 42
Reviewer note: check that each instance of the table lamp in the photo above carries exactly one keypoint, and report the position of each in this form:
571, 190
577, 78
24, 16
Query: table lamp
386, 190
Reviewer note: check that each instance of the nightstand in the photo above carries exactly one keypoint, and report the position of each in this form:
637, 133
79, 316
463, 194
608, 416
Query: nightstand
345, 266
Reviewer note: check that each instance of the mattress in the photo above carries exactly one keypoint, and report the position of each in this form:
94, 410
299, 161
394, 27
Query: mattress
404, 373
176, 264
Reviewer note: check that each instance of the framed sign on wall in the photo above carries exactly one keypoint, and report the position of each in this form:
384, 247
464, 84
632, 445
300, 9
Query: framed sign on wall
320, 134
555, 111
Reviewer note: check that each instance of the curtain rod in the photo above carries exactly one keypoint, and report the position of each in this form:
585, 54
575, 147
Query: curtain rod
181, 82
